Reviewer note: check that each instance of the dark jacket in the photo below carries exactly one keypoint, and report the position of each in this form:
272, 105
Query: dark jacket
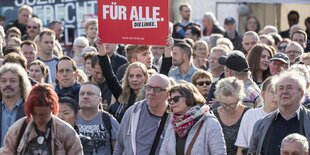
117, 60
15, 23
72, 91
237, 41
262, 126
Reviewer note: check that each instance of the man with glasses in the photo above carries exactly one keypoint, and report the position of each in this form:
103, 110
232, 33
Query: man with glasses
33, 28
293, 51
145, 119
100, 126
67, 85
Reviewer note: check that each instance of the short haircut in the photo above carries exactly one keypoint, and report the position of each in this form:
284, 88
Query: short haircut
297, 138
294, 43
25, 7
38, 21
41, 95
42, 66
79, 40
53, 22
74, 66
13, 30
292, 13
185, 48
184, 5
300, 32
251, 34
201, 74
47, 32
195, 30
8, 50
29, 42
132, 50
15, 58
92, 83
90, 22
89, 55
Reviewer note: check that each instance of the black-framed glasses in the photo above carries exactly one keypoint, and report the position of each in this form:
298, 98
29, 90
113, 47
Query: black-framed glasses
175, 99
155, 89
201, 83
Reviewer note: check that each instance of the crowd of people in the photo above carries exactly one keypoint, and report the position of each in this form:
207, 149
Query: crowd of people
209, 90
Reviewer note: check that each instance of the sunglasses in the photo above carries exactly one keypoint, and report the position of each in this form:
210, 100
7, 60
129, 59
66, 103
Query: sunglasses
281, 48
201, 83
174, 99
32, 27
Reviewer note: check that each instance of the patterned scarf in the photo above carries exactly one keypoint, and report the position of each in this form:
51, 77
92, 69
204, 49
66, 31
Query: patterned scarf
183, 124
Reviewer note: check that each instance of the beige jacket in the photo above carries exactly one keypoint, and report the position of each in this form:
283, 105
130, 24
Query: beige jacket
64, 139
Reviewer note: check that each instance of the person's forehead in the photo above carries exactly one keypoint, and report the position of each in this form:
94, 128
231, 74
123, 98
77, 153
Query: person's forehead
64, 64
291, 47
287, 81
157, 82
89, 88
27, 47
9, 74
298, 35
250, 38
47, 37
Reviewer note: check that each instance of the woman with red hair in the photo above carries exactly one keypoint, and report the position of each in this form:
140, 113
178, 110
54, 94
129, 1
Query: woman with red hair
41, 132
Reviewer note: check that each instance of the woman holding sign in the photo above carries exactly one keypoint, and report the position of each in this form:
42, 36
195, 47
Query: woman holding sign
126, 94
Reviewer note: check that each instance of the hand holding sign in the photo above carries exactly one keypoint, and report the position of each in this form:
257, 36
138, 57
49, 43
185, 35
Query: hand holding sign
100, 46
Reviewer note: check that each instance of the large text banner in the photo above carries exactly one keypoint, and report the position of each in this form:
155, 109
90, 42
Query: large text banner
133, 21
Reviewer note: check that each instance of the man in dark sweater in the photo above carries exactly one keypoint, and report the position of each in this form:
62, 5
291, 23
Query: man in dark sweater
291, 116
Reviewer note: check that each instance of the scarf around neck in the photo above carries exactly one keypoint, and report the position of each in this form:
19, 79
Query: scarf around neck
183, 124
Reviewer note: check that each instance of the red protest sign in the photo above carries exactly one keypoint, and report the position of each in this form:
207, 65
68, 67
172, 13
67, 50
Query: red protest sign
133, 22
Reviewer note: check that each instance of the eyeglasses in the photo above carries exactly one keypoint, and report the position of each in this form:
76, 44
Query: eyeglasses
32, 27
201, 83
174, 99
281, 48
88, 93
155, 89
65, 70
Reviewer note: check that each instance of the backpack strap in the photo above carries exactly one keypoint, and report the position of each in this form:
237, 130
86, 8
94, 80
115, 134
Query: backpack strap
107, 123
21, 132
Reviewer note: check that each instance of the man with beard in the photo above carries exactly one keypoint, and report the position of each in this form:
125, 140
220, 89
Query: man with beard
181, 58
179, 28
14, 89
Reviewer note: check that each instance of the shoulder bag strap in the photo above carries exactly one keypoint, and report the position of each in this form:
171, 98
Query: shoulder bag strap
107, 123
158, 133
190, 146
